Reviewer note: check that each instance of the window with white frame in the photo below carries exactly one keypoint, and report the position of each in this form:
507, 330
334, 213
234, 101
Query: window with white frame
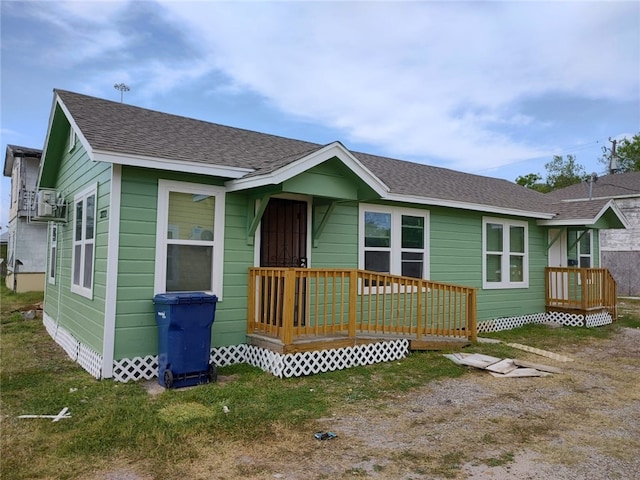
505, 245
72, 138
84, 232
579, 248
53, 252
190, 236
394, 240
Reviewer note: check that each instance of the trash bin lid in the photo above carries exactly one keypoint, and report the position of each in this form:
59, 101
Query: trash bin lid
184, 297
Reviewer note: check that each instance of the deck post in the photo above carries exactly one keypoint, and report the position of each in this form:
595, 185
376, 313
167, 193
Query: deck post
251, 306
583, 295
422, 287
353, 300
288, 306
472, 315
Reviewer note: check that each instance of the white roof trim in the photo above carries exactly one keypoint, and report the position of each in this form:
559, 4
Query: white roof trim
335, 149
478, 207
589, 221
171, 165
610, 197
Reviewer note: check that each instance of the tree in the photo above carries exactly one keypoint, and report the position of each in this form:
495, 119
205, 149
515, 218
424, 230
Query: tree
532, 181
560, 173
627, 154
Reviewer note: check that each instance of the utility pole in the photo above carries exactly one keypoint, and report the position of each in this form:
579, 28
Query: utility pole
123, 88
613, 162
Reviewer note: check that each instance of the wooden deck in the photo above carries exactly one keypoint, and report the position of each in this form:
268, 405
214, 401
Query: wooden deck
580, 290
300, 309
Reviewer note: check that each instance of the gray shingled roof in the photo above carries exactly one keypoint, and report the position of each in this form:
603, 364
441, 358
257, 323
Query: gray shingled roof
607, 186
120, 128
586, 209
408, 178
125, 129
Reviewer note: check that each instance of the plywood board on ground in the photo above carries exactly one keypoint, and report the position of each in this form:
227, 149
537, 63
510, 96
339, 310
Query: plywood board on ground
521, 372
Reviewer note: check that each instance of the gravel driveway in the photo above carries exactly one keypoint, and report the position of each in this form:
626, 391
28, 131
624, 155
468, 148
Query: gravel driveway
583, 423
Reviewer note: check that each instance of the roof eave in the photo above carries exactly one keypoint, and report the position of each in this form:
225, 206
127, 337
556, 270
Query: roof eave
169, 165
478, 207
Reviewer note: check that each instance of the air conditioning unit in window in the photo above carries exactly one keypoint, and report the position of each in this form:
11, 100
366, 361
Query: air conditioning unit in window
50, 205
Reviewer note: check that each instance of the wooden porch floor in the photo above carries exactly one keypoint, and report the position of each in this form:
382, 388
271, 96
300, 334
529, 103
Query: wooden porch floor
315, 343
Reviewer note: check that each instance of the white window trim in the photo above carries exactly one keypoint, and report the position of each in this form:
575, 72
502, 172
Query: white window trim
72, 138
579, 255
162, 225
53, 252
396, 230
505, 283
81, 197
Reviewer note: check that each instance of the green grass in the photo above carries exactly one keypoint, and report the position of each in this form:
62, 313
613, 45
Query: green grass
114, 420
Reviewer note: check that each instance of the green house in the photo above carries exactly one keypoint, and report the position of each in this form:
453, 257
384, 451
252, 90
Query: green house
300, 243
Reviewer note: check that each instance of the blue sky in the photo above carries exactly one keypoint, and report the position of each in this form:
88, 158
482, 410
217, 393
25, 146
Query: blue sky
495, 88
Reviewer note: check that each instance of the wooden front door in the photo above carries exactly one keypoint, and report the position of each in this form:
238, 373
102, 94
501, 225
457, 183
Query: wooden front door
283, 243
283, 234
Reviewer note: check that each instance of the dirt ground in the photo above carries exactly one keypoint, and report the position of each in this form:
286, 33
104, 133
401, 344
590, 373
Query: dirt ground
583, 423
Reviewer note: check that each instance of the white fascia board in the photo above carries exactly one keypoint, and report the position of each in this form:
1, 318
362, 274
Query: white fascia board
606, 197
171, 165
467, 206
335, 149
571, 222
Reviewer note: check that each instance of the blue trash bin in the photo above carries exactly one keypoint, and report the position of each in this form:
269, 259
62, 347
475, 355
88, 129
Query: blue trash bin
184, 338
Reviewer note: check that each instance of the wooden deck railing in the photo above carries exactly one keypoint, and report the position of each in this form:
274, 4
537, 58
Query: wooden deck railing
583, 289
295, 303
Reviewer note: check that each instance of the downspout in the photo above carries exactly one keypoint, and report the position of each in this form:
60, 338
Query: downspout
16, 267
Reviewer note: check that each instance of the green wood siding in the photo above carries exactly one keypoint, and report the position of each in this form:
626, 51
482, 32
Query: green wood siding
81, 316
456, 257
455, 254
136, 330
338, 244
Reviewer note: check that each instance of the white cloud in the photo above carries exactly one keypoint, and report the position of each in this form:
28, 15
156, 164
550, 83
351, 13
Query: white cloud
436, 79
84, 29
425, 79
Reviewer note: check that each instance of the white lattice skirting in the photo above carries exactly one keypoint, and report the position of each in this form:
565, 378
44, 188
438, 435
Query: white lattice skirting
294, 364
563, 318
85, 356
278, 364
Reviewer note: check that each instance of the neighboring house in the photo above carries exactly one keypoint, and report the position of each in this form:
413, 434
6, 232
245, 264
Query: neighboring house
301, 243
27, 247
619, 249
4, 244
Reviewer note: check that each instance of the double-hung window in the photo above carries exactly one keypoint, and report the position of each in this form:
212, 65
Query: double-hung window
190, 236
84, 232
505, 261
394, 240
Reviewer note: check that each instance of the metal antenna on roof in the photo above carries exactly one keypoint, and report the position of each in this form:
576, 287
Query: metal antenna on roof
123, 88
